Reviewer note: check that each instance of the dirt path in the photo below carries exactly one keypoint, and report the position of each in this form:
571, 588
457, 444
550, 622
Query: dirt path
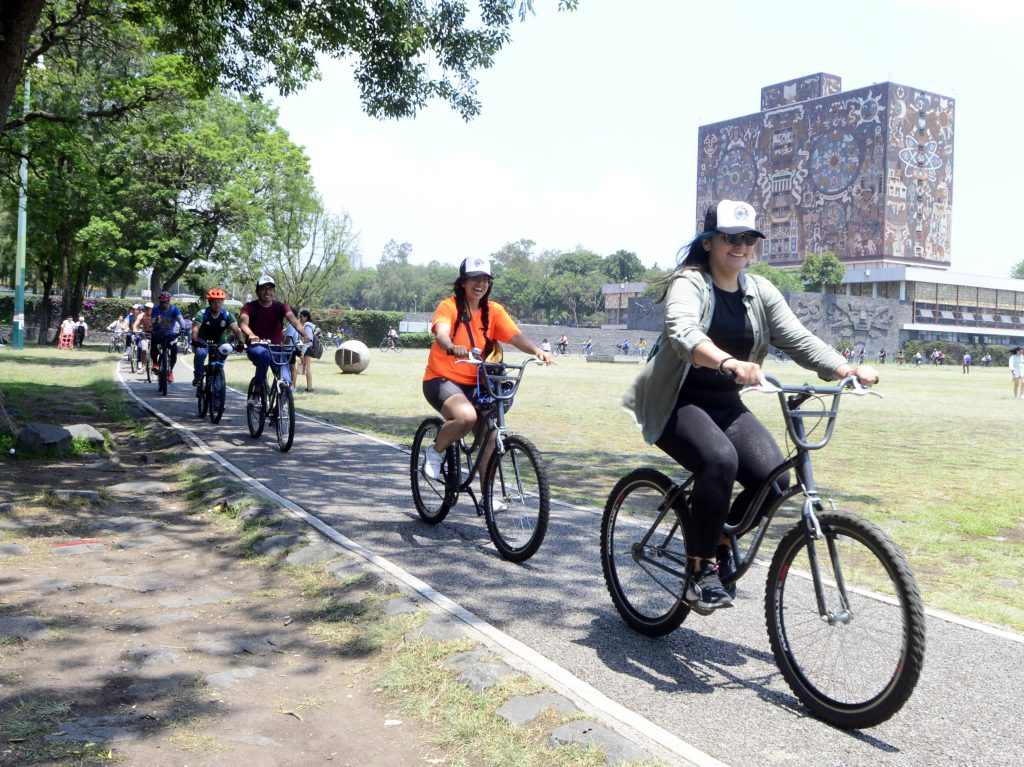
133, 620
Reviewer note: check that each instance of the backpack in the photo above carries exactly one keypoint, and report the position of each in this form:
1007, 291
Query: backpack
316, 351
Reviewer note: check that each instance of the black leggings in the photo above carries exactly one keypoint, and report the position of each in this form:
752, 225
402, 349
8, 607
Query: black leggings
719, 446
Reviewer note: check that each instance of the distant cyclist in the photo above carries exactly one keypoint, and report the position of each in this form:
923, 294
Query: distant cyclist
264, 319
166, 322
213, 325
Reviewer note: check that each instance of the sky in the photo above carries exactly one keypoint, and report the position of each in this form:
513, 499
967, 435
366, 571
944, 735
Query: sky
588, 134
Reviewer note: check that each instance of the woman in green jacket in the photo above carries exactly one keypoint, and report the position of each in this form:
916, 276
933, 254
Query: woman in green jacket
719, 324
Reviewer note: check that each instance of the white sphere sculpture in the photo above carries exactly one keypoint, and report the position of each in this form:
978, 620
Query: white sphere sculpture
352, 357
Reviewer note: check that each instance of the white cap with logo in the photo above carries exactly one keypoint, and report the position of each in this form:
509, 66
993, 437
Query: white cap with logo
475, 266
265, 279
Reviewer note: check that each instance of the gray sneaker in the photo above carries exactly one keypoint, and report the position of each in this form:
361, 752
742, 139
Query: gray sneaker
705, 592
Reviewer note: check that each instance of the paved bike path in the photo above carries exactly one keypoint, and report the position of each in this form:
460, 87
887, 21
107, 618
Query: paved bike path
712, 683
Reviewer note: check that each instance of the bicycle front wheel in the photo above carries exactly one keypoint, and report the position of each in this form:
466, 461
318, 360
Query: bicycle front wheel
163, 372
255, 412
285, 421
517, 501
397, 347
643, 554
132, 358
433, 497
858, 664
218, 391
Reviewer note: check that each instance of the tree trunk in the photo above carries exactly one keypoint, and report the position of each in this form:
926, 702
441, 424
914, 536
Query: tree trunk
17, 20
45, 307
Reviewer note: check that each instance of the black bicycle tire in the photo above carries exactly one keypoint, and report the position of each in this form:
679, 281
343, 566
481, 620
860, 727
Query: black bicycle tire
255, 419
508, 551
133, 358
162, 373
428, 428
218, 393
383, 347
202, 401
149, 364
668, 619
873, 710
285, 406
397, 346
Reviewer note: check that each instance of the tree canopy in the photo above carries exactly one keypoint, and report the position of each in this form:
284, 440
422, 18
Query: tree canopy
821, 271
404, 53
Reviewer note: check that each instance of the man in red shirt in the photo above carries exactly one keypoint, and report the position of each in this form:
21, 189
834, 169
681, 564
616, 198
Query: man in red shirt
263, 319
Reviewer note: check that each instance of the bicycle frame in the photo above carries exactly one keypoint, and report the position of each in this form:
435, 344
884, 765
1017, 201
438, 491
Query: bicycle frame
790, 398
495, 391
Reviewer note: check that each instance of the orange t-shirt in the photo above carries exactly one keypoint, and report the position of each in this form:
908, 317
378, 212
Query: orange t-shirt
501, 327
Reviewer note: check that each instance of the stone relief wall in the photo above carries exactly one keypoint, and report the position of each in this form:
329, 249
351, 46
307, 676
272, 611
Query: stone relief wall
873, 323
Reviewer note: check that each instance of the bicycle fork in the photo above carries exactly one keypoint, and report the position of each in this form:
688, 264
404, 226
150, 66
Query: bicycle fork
813, 533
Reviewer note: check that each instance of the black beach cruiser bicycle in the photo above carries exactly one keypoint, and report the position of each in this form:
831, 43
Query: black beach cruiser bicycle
844, 616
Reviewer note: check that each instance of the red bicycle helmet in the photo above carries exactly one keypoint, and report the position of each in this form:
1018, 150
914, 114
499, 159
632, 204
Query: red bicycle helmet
215, 293
165, 296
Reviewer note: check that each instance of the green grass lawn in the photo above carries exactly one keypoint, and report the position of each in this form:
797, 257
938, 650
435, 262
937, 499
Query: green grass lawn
938, 463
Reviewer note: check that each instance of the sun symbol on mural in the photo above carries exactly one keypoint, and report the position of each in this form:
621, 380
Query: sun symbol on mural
835, 161
920, 160
866, 110
736, 175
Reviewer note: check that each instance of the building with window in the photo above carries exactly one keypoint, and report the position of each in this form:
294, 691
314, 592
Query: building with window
868, 175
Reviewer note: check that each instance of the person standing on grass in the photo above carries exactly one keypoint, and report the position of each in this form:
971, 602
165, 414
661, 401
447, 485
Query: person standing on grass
307, 356
1017, 372
720, 323
967, 362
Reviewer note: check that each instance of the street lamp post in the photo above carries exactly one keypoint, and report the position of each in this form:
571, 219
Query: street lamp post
414, 297
18, 332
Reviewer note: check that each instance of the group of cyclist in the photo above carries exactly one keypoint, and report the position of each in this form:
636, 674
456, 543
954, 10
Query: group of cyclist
158, 327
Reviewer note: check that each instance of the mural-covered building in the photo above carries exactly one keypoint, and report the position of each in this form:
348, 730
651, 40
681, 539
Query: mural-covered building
866, 174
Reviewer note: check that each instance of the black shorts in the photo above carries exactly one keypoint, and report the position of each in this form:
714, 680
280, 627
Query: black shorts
437, 390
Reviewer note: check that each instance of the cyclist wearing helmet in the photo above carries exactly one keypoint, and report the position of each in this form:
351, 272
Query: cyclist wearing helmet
143, 324
263, 319
166, 321
212, 326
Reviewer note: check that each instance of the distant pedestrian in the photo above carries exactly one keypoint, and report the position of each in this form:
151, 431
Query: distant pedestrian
81, 332
918, 359
986, 361
967, 362
307, 356
881, 356
860, 356
1017, 372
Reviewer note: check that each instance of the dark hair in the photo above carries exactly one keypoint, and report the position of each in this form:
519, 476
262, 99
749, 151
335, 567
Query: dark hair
462, 308
305, 313
692, 256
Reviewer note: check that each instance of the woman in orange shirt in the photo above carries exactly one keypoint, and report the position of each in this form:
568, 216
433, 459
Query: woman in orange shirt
465, 321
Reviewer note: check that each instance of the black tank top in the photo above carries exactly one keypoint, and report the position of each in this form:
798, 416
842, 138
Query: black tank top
731, 332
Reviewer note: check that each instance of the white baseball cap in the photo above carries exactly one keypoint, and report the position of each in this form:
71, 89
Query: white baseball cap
265, 279
475, 266
731, 217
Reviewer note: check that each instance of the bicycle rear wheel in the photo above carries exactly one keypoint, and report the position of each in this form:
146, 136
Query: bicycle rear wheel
433, 498
643, 554
516, 499
255, 414
202, 401
857, 666
218, 391
285, 421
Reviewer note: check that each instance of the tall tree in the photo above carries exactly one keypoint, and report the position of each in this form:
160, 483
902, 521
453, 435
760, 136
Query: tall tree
623, 266
405, 53
821, 271
1018, 271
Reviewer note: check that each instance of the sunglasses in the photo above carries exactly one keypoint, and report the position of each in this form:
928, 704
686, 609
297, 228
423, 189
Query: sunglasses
740, 239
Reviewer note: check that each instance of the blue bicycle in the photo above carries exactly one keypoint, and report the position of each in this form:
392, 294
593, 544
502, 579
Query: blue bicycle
211, 390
